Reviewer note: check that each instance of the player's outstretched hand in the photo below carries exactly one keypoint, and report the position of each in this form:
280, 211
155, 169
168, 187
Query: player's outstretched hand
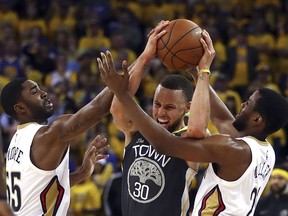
94, 153
118, 83
153, 37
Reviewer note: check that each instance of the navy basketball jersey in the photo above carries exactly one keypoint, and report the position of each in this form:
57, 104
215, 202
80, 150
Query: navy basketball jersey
153, 184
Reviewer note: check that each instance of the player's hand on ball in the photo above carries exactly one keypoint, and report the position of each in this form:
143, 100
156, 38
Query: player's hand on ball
153, 37
209, 51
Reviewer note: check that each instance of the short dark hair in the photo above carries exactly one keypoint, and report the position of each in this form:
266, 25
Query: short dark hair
178, 82
10, 95
274, 109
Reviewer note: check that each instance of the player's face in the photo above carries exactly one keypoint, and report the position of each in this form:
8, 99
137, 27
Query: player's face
242, 119
38, 105
169, 108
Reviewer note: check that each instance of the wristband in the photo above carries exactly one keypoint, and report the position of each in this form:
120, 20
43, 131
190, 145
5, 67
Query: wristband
204, 71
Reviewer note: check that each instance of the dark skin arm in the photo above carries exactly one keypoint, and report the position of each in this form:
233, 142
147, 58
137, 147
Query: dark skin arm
50, 142
221, 116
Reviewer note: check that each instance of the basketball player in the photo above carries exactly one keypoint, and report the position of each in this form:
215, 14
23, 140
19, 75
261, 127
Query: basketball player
152, 183
240, 161
37, 172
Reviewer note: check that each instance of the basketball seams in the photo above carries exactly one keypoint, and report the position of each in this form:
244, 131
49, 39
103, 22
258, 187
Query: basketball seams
183, 37
187, 62
176, 42
168, 39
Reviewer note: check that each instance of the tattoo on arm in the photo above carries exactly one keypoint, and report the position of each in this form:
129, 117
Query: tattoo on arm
73, 129
201, 76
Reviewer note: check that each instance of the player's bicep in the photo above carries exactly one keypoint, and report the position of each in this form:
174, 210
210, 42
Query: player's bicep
55, 132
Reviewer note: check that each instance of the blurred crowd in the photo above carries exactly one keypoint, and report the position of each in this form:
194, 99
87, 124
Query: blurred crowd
56, 43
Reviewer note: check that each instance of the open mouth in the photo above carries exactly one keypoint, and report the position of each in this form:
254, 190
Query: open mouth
49, 104
163, 122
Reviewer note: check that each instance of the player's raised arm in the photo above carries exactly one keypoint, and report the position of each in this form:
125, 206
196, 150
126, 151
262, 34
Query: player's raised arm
220, 115
200, 104
136, 71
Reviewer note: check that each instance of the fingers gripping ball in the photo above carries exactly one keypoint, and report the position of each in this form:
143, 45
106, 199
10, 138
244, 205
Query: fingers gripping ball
180, 48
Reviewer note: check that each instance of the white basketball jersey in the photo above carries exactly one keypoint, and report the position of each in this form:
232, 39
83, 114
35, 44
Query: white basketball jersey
30, 190
219, 197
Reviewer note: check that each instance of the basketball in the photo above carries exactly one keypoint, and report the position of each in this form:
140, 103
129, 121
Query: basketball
180, 48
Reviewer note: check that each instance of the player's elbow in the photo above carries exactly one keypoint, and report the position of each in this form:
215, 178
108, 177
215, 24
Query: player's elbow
197, 133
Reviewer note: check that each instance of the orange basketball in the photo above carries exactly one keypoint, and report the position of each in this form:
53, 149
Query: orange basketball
180, 48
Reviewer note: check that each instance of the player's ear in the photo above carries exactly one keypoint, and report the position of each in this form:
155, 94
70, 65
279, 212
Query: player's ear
258, 119
19, 108
187, 107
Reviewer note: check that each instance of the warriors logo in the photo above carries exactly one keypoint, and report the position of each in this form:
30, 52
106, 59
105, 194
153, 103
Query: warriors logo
146, 180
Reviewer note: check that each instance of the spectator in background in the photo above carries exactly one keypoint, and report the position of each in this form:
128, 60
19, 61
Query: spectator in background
220, 49
261, 39
276, 202
61, 17
31, 19
37, 58
281, 49
263, 79
128, 25
120, 50
10, 66
61, 73
7, 15
230, 97
241, 62
94, 37
85, 199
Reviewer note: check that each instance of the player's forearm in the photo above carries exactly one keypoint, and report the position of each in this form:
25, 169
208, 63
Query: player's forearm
221, 117
77, 177
70, 126
199, 108
97, 108
102, 102
136, 72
